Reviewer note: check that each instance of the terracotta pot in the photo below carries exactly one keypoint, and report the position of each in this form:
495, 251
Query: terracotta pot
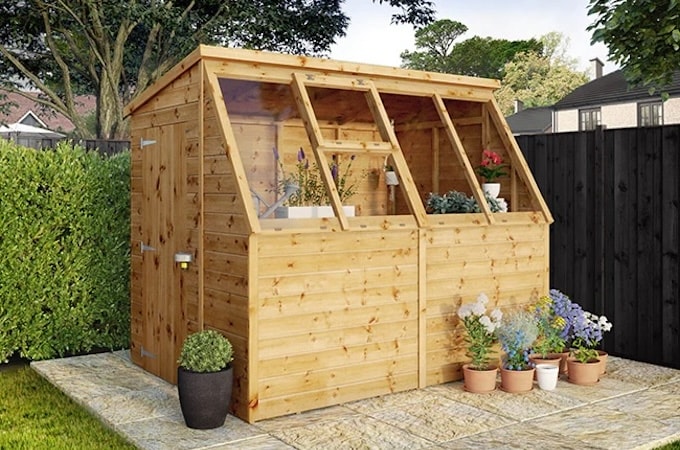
564, 368
479, 381
547, 375
603, 361
516, 381
585, 374
553, 359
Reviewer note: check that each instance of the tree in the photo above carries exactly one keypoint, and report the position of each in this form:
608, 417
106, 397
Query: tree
115, 50
540, 79
643, 37
477, 56
436, 42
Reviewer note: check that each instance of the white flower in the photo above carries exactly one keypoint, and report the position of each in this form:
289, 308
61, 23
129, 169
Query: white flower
483, 299
478, 309
487, 324
464, 311
604, 324
496, 315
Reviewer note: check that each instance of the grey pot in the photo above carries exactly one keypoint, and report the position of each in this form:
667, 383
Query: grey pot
205, 397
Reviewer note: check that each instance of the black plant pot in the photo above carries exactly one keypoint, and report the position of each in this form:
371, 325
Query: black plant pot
205, 397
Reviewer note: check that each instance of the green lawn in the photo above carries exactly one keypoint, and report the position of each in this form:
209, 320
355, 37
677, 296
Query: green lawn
35, 415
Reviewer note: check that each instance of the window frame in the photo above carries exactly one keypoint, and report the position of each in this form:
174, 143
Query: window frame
589, 111
656, 118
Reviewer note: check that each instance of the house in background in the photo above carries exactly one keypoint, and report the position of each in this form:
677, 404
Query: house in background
530, 120
609, 101
27, 112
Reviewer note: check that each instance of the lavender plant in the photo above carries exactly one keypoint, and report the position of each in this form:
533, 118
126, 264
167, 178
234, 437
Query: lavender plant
312, 190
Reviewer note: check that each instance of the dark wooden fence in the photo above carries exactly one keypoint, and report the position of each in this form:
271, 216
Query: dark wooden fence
615, 196
104, 146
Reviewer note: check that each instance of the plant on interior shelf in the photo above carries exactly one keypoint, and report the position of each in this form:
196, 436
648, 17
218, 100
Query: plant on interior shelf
205, 378
517, 333
458, 202
491, 166
311, 188
480, 329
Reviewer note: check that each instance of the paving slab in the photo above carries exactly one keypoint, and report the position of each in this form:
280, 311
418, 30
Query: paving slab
634, 406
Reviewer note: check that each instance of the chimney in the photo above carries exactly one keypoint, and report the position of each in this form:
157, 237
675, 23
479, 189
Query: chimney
519, 106
597, 68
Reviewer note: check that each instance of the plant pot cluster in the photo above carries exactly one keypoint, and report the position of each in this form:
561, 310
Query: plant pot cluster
542, 330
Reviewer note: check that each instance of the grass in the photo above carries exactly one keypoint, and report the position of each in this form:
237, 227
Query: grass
672, 446
36, 415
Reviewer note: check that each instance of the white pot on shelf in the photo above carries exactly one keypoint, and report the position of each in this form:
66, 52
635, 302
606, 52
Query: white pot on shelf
493, 189
306, 212
391, 178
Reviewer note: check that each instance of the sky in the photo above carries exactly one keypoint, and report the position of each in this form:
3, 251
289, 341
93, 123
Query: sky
372, 39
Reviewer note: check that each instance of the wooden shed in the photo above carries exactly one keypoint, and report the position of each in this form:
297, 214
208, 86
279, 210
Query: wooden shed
321, 310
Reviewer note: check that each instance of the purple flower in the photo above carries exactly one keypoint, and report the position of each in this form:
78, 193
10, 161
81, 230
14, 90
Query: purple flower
276, 153
334, 171
301, 155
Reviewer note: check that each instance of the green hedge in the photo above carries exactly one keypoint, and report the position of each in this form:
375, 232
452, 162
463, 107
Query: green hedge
64, 251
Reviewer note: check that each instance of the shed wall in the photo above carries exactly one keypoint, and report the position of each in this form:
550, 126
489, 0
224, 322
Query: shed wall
465, 257
226, 303
337, 318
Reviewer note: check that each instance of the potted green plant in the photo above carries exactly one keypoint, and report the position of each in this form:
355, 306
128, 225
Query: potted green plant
204, 379
517, 334
457, 202
311, 198
480, 335
546, 355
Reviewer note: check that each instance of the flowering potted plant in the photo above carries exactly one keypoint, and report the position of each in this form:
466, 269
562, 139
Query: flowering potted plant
547, 350
480, 330
586, 365
490, 168
311, 197
583, 332
517, 334
549, 343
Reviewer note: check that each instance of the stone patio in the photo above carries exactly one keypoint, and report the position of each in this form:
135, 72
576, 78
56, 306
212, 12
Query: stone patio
634, 406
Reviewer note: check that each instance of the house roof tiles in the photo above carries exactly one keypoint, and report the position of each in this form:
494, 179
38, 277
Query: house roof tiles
613, 88
531, 121
20, 106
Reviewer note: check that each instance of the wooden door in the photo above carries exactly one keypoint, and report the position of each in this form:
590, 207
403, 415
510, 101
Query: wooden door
163, 187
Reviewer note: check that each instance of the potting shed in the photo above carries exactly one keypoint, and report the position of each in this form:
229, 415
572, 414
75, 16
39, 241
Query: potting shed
350, 303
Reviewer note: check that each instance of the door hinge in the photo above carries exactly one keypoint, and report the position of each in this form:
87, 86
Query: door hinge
144, 142
145, 353
146, 248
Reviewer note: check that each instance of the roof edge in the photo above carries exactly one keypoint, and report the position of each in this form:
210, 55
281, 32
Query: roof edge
185, 64
301, 61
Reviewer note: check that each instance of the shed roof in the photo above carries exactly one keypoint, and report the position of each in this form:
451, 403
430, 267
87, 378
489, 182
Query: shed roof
329, 66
